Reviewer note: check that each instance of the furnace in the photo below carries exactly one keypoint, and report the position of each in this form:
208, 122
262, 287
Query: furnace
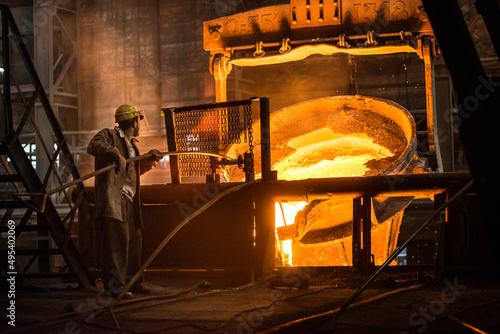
339, 136
321, 138
331, 136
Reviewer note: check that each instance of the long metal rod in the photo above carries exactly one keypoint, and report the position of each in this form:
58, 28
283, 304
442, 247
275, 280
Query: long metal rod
158, 249
465, 324
400, 249
98, 172
300, 325
140, 157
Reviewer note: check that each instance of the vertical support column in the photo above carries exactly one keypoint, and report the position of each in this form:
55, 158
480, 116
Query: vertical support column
264, 204
445, 121
430, 93
265, 139
490, 11
455, 236
361, 235
264, 252
43, 63
171, 145
220, 70
43, 244
440, 199
351, 65
7, 126
478, 123
248, 158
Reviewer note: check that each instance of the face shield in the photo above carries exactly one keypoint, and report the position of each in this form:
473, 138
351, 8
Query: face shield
142, 117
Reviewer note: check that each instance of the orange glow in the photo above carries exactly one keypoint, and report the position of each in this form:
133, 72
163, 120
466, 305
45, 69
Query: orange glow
320, 154
340, 157
335, 136
290, 209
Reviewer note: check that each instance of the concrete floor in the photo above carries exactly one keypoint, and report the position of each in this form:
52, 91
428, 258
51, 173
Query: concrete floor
397, 302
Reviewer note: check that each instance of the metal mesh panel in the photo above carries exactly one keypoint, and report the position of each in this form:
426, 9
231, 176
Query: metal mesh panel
209, 128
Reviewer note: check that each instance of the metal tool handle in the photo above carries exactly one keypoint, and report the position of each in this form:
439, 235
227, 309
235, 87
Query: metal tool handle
139, 157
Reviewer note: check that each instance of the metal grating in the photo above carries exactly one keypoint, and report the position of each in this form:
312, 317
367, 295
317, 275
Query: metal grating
208, 128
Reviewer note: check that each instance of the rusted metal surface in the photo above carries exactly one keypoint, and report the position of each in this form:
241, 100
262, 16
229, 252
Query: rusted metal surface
270, 23
220, 70
304, 21
284, 33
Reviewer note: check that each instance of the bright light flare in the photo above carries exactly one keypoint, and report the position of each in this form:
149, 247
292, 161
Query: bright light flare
282, 218
340, 157
321, 154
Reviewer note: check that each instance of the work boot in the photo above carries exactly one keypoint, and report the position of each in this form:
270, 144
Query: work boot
140, 288
127, 295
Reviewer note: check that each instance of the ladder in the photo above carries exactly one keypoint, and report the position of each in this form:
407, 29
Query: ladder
31, 225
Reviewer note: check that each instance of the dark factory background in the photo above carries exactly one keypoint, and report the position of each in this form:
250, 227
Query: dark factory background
150, 54
91, 56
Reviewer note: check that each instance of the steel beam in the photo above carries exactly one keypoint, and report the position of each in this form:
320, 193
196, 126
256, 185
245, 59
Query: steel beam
490, 11
6, 127
50, 216
428, 50
361, 235
171, 145
478, 99
419, 185
424, 185
12, 147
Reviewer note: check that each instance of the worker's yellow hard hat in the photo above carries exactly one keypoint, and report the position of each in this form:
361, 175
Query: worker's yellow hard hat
126, 111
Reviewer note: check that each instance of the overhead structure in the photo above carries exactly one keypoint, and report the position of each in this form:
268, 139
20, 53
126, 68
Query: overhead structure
55, 59
285, 33
292, 32
478, 101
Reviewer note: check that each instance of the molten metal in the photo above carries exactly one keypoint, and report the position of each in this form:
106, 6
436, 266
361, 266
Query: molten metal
335, 137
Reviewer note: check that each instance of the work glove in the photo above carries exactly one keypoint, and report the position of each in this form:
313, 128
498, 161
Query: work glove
157, 156
120, 162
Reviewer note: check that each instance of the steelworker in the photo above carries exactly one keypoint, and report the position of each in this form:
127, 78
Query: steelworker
117, 200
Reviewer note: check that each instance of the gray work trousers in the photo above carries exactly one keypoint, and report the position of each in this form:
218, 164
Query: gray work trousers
121, 250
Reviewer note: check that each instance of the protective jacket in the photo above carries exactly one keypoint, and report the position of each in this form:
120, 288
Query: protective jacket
106, 146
